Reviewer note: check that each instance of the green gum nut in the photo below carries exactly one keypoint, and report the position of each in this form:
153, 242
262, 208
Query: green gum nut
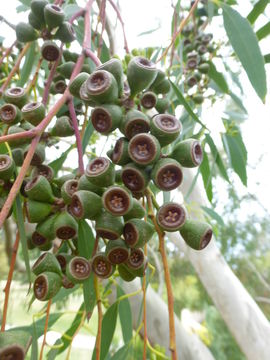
50, 51
39, 189
106, 118
134, 178
70, 56
159, 78
59, 87
66, 227
65, 33
137, 262
171, 216
63, 260
66, 69
37, 7
44, 231
118, 176
14, 344
125, 273
198, 99
85, 205
117, 251
101, 87
63, 127
68, 189
39, 154
54, 15
188, 153
162, 105
163, 87
149, 100
46, 262
101, 266
144, 149
7, 167
37, 211
166, 128
33, 112
117, 200
204, 68
76, 83
43, 170
86, 68
17, 155
34, 21
10, 114
85, 184
196, 234
135, 122
100, 172
141, 73
137, 233
137, 211
120, 155
25, 32
60, 180
78, 269
114, 66
108, 226
47, 285
16, 96
15, 130
167, 174
85, 97
3, 199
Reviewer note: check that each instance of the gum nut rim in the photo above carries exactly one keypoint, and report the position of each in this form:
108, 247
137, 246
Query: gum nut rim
71, 186
101, 120
142, 148
65, 232
171, 215
168, 123
136, 258
169, 177
148, 101
98, 82
131, 234
38, 261
116, 200
133, 179
62, 261
101, 266
30, 184
8, 112
5, 161
107, 234
50, 52
137, 126
145, 63
118, 150
41, 287
205, 239
31, 106
76, 207
13, 352
97, 166
38, 239
197, 153
118, 255
80, 268
15, 91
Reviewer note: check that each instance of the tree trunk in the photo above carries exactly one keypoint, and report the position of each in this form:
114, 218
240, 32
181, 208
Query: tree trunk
189, 346
242, 315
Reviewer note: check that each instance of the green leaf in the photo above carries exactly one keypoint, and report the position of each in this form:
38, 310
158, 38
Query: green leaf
217, 158
122, 353
238, 101
236, 151
23, 240
125, 316
87, 135
29, 61
58, 163
71, 9
257, 10
149, 31
207, 176
263, 31
245, 45
107, 330
267, 58
218, 78
214, 215
183, 102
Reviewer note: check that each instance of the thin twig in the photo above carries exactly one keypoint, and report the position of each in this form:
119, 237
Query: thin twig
9, 280
98, 337
89, 53
76, 15
102, 15
13, 27
75, 333
178, 32
15, 68
122, 24
77, 135
8, 51
167, 275
34, 80
45, 329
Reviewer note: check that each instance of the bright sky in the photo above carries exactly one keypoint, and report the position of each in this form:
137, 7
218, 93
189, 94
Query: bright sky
141, 16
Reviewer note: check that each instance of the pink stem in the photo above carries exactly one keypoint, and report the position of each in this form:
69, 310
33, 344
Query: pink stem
79, 13
122, 23
102, 15
77, 135
21, 135
92, 56
50, 78
8, 51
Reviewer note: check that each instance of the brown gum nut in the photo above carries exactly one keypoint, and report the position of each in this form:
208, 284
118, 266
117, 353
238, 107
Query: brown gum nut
118, 255
131, 234
101, 120
98, 82
101, 266
133, 179
171, 216
8, 113
41, 287
80, 268
136, 258
117, 201
144, 149
50, 52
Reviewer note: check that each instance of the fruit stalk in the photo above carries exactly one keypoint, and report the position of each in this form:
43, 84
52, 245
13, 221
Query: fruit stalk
122, 24
45, 329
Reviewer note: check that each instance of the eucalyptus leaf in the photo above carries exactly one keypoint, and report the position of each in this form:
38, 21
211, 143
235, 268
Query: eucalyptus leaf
125, 316
257, 10
207, 176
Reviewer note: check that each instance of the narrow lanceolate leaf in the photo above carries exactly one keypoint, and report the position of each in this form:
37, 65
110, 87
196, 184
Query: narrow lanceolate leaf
182, 101
207, 176
29, 61
263, 32
86, 242
122, 353
213, 214
87, 135
267, 58
218, 78
58, 163
257, 10
245, 45
107, 330
125, 316
23, 240
238, 101
217, 158
236, 151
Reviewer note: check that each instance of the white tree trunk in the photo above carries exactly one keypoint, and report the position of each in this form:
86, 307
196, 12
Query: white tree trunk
189, 346
242, 315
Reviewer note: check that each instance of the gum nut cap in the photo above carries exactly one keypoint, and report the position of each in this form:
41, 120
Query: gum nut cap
117, 200
100, 172
188, 153
136, 258
171, 216
10, 114
68, 189
44, 170
39, 189
78, 269
117, 251
106, 118
66, 227
196, 234
16, 95
165, 123
85, 205
167, 174
108, 226
76, 83
120, 155
25, 32
149, 100
134, 178
135, 122
37, 7
54, 15
144, 149
46, 262
7, 167
47, 285
65, 32
50, 51
101, 266
33, 112
101, 86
